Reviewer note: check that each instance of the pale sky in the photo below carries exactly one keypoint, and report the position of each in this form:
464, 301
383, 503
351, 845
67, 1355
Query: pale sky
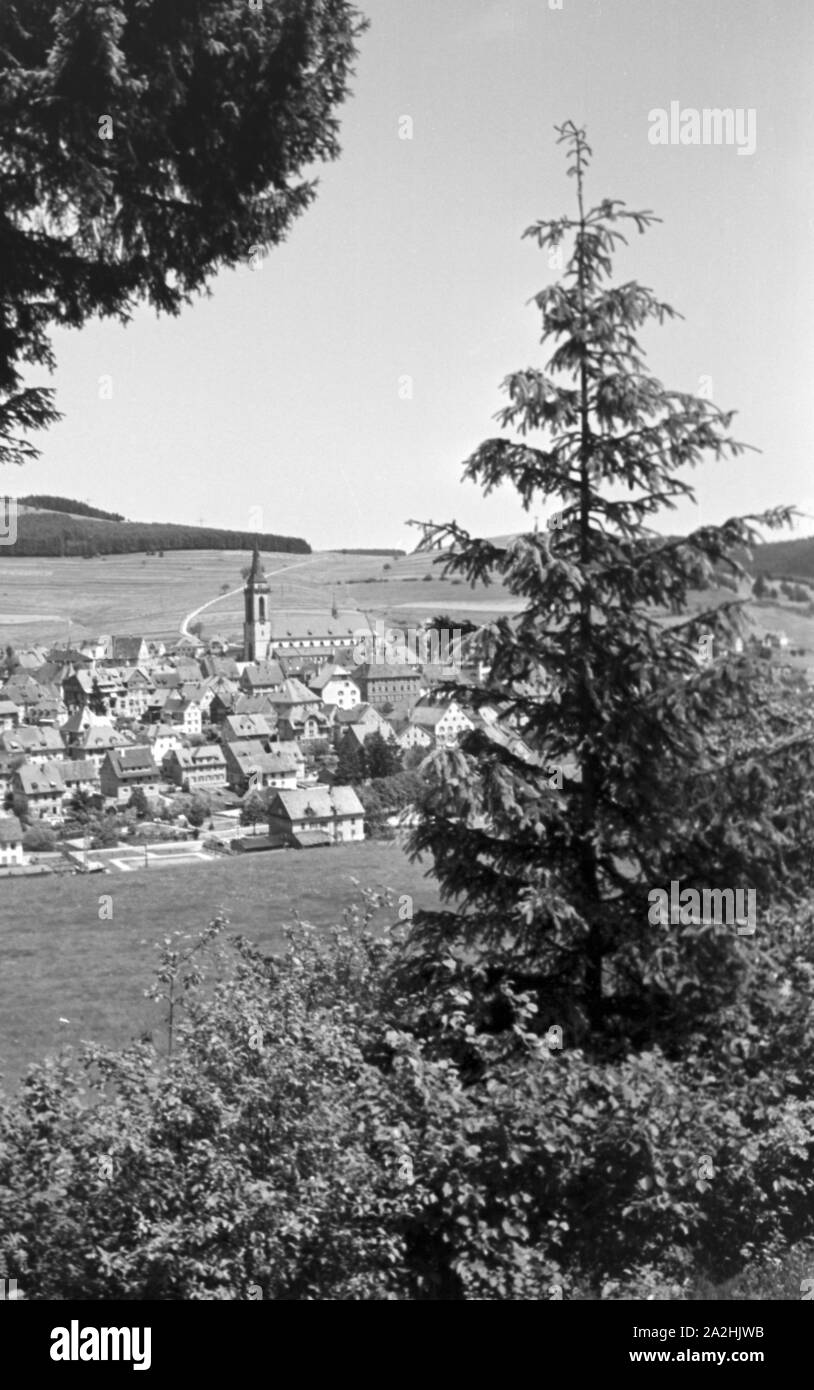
276, 403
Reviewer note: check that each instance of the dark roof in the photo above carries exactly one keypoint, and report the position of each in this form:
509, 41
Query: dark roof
385, 672
257, 575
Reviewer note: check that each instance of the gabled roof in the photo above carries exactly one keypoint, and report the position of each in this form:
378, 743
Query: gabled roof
132, 762
314, 625
333, 671
99, 736
293, 692
237, 726
360, 714
156, 731
427, 716
30, 738
263, 673
43, 781
79, 770
206, 753
318, 803
380, 671
256, 704
128, 648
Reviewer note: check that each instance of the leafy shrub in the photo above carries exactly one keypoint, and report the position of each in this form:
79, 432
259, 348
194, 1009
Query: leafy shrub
311, 1135
39, 838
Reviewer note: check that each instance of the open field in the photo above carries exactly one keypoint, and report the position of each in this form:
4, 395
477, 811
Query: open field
59, 960
152, 595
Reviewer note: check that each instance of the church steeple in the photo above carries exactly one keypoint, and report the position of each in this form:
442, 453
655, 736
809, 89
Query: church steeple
256, 624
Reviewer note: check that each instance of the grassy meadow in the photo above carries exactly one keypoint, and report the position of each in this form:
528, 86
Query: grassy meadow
59, 960
152, 595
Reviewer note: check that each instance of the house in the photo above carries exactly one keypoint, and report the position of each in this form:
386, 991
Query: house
444, 723
80, 775
187, 669
303, 725
249, 764
38, 742
41, 790
8, 763
409, 735
129, 651
156, 700
257, 704
126, 769
23, 691
163, 739
182, 713
335, 686
261, 675
294, 751
9, 715
196, 768
200, 692
49, 709
80, 720
364, 720
382, 685
222, 667
109, 689
97, 742
259, 769
11, 842
245, 726
316, 816
78, 690
138, 687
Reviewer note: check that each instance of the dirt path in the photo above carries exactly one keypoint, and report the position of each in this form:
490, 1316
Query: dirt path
185, 632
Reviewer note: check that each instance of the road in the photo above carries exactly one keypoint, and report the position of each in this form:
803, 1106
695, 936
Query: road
185, 632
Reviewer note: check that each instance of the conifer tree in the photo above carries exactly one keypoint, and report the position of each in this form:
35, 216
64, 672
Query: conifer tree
145, 145
623, 757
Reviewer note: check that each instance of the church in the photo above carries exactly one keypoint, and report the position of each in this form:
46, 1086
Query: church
325, 634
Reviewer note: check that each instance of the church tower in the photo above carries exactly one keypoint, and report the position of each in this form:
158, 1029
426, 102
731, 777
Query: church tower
256, 624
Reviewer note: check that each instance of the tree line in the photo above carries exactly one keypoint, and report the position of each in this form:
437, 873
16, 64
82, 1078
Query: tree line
45, 533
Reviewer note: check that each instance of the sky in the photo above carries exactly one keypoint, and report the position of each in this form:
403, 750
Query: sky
336, 391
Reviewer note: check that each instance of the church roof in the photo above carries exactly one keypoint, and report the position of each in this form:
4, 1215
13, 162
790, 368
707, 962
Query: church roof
257, 575
316, 624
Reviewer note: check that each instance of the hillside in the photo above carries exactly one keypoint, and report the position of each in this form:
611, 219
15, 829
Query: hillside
784, 559
66, 528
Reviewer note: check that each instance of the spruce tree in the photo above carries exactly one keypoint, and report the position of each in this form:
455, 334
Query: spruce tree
624, 756
145, 146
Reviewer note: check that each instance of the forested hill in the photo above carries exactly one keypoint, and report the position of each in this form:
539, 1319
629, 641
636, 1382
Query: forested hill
784, 559
59, 526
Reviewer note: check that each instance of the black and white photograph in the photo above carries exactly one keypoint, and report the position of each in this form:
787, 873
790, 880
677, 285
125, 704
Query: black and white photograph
406, 670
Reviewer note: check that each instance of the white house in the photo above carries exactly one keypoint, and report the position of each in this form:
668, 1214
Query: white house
11, 842
335, 686
316, 816
444, 723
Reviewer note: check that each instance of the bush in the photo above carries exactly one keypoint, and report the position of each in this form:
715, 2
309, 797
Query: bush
39, 838
346, 1141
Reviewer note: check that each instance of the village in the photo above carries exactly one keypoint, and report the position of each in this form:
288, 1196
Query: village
125, 752
211, 747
